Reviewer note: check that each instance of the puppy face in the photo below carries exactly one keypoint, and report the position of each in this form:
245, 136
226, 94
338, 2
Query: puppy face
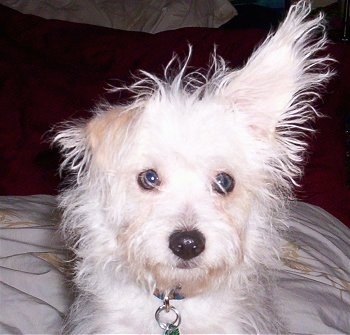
180, 167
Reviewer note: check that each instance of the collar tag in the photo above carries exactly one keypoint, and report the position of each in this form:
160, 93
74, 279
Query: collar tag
169, 328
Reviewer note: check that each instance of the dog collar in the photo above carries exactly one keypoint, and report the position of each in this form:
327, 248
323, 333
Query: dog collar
172, 295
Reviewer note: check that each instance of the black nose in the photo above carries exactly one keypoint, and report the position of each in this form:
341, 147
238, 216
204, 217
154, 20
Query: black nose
187, 244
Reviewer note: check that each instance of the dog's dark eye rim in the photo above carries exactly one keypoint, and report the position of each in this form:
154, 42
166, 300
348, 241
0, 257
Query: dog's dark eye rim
148, 179
223, 183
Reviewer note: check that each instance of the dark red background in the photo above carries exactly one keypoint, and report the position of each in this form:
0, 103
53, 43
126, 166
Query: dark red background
54, 70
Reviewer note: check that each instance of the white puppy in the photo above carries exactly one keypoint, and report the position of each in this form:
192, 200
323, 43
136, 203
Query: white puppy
176, 199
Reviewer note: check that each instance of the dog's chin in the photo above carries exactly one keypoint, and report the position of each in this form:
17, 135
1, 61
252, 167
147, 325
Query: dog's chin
192, 276
186, 265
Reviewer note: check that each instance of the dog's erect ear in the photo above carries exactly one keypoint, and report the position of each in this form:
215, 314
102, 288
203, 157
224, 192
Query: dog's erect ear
280, 80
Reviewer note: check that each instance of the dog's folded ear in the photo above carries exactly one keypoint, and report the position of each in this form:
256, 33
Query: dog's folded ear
86, 142
277, 86
70, 138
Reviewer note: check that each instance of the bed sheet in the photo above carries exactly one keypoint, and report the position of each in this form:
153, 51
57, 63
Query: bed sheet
313, 290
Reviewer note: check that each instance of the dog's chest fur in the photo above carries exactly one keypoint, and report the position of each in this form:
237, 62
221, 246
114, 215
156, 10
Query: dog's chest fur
130, 310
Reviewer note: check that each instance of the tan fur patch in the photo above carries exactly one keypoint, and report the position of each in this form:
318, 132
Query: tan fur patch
109, 130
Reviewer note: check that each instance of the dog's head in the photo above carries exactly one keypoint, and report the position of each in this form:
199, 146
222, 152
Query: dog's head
182, 186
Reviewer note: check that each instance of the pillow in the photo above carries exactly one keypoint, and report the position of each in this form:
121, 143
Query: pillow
147, 15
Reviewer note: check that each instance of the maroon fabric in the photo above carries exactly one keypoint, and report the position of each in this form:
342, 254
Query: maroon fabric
53, 70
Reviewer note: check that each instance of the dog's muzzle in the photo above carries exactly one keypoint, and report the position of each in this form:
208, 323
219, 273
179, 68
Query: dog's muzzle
187, 244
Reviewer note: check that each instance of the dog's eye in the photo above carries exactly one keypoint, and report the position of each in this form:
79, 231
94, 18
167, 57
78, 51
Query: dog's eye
148, 179
223, 183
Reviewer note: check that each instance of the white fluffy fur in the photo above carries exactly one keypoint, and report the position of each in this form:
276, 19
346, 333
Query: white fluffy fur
188, 127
